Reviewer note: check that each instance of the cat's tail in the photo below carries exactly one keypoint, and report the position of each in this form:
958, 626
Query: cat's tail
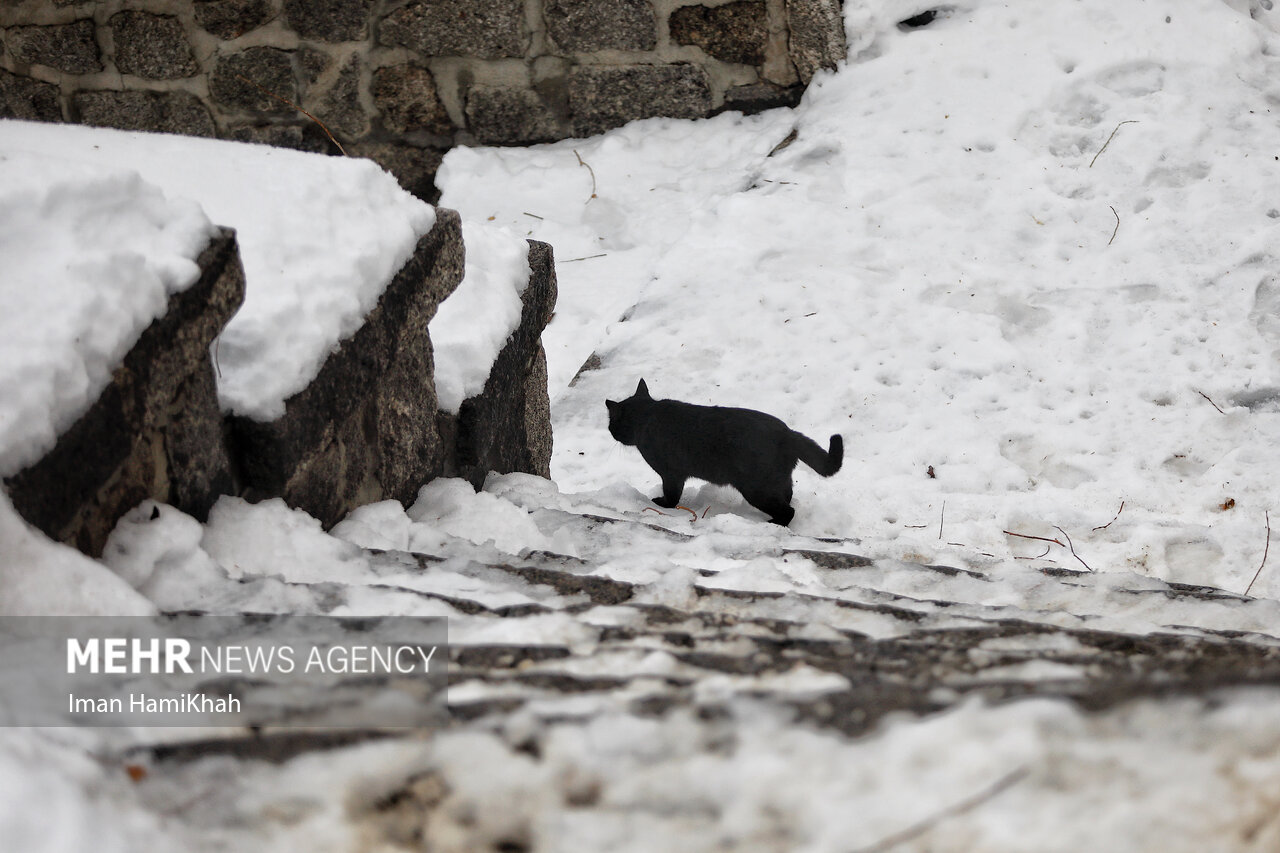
808, 451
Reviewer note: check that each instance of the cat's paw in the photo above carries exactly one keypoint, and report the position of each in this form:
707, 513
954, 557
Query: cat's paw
663, 502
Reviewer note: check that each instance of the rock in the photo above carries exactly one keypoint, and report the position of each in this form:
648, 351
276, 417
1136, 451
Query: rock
330, 21
279, 135
758, 97
160, 112
414, 168
339, 107
589, 25
364, 430
601, 98
151, 46
24, 98
270, 68
230, 19
735, 32
490, 29
507, 427
156, 431
406, 98
817, 36
72, 48
502, 115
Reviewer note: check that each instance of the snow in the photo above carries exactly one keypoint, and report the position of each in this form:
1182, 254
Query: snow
933, 268
91, 257
320, 238
475, 321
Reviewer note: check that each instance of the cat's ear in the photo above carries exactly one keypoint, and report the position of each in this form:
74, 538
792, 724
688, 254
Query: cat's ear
611, 405
642, 391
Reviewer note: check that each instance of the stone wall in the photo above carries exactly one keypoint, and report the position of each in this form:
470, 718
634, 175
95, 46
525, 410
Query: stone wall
401, 81
366, 429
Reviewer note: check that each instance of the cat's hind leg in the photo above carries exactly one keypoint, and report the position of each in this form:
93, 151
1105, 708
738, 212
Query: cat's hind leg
775, 503
672, 487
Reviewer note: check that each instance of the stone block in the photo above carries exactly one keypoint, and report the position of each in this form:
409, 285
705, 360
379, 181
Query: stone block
502, 115
72, 48
405, 97
268, 67
758, 97
816, 36
160, 112
507, 427
329, 20
339, 107
151, 46
230, 19
24, 98
279, 135
601, 98
364, 429
589, 25
415, 168
155, 432
489, 29
734, 32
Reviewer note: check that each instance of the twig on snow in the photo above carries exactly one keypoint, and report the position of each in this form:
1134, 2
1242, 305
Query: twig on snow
1116, 230
915, 831
942, 518
1040, 557
271, 94
1108, 142
1211, 403
582, 162
681, 506
1112, 521
1037, 538
1265, 551
586, 258
1072, 547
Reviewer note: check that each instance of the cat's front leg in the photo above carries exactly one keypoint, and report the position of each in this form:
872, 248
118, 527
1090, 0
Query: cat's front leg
671, 490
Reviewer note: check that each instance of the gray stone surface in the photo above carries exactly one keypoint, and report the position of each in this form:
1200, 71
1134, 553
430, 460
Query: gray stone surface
162, 112
501, 115
230, 19
507, 427
757, 97
69, 47
156, 431
340, 108
405, 97
484, 28
151, 46
32, 100
268, 67
279, 135
364, 430
415, 168
329, 20
589, 25
601, 98
817, 38
735, 32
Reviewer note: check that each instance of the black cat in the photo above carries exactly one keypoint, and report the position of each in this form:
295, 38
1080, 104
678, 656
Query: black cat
751, 451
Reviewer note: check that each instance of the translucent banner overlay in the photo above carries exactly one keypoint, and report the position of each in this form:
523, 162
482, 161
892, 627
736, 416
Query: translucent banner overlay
223, 669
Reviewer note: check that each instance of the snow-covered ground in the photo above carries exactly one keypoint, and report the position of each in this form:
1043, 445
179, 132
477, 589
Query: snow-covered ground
1022, 260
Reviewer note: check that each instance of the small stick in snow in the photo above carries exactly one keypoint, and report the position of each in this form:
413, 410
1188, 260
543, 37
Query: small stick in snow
1211, 403
1042, 556
1117, 228
1037, 538
915, 831
534, 215
587, 258
582, 162
1265, 551
686, 509
1112, 521
271, 94
1108, 142
942, 518
707, 510
1072, 547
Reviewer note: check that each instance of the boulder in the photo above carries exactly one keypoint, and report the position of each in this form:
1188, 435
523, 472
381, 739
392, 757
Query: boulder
507, 427
155, 431
364, 430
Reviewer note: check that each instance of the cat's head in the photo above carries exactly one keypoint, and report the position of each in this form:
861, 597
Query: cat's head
624, 416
